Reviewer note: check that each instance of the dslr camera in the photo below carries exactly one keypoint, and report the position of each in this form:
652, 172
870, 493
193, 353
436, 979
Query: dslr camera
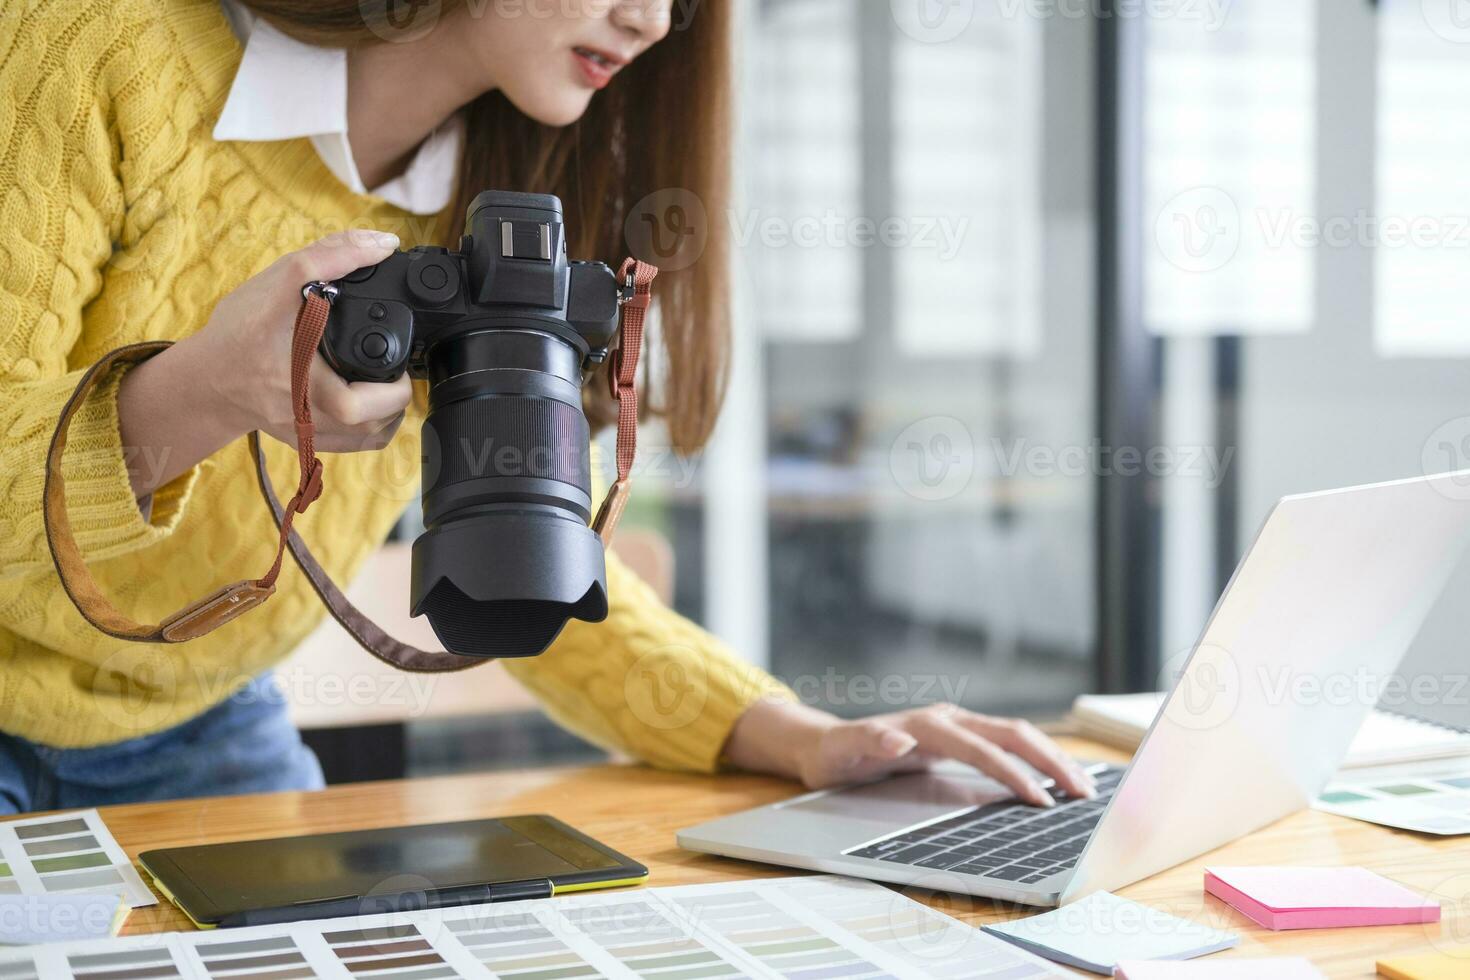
506, 331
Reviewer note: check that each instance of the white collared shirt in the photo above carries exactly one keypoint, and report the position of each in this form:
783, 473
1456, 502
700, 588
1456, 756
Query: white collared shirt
266, 103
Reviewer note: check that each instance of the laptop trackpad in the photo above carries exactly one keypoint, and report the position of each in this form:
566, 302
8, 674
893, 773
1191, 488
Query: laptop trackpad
904, 800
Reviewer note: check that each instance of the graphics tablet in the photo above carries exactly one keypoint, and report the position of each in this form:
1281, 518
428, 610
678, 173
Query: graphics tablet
396, 868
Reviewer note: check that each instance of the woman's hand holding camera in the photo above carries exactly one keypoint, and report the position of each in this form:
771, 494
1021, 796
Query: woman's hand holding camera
234, 375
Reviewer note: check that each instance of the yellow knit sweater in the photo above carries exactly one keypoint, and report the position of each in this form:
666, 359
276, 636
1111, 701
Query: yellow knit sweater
123, 220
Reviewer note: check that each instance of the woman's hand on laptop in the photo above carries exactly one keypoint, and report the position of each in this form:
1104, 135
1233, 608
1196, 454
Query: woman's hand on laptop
822, 750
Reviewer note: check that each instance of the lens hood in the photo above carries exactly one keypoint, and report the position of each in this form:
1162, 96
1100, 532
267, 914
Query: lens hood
504, 583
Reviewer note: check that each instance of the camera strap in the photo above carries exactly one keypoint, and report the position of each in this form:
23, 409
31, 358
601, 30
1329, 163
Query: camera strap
223, 605
622, 371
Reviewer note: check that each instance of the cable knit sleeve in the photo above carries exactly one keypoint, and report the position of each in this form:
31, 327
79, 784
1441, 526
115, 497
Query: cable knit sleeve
646, 681
63, 205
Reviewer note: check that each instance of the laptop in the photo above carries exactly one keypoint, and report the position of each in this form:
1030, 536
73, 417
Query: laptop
1315, 619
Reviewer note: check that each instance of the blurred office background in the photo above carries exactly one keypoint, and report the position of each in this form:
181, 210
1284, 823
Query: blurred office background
1042, 303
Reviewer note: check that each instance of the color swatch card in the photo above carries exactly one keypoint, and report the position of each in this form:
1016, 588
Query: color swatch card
1099, 931
1447, 963
27, 919
1318, 898
1429, 805
1259, 968
67, 852
807, 928
841, 927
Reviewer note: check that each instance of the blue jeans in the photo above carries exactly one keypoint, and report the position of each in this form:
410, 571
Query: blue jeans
246, 744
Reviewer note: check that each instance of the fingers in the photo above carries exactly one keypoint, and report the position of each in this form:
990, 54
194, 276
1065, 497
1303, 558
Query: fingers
370, 402
877, 739
336, 255
363, 440
939, 734
358, 405
1027, 741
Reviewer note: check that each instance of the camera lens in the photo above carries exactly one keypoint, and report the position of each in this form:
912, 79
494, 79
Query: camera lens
507, 556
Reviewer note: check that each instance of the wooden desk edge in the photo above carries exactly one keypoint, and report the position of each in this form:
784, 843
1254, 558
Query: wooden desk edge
637, 810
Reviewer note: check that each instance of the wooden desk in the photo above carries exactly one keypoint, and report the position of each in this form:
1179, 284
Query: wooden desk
638, 810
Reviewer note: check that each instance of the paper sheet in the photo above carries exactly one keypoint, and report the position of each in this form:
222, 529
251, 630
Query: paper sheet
1274, 968
800, 928
1427, 804
1102, 929
67, 852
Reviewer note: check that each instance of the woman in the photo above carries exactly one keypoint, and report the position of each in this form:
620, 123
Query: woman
177, 169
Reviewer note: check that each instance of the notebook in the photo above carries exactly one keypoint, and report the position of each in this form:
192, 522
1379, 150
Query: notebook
1318, 898
1385, 738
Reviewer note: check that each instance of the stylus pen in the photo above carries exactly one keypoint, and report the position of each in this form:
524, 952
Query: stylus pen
333, 908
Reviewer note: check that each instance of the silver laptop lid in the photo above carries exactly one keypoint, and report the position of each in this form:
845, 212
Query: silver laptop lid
1315, 620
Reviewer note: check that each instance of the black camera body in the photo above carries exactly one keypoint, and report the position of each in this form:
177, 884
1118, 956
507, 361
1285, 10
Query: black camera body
506, 331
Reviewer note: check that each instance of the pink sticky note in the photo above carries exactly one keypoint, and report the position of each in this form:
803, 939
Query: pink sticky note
1274, 968
1318, 898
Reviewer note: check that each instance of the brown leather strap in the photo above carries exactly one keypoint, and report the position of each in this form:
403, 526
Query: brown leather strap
369, 635
193, 620
622, 373
225, 604
311, 323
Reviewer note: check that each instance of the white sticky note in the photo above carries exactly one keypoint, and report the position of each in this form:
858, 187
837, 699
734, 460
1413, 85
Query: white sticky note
1098, 931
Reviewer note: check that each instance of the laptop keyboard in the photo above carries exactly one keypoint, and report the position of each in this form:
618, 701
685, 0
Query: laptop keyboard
1007, 840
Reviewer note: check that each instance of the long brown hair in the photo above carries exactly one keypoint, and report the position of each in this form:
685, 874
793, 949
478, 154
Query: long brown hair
661, 129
